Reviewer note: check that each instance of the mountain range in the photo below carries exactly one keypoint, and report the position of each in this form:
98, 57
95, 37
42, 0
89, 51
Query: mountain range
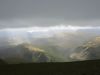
20, 46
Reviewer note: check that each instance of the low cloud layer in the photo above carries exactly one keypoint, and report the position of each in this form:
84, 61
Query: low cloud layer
66, 28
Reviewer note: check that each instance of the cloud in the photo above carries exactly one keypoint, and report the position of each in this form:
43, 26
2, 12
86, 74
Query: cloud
61, 27
25, 13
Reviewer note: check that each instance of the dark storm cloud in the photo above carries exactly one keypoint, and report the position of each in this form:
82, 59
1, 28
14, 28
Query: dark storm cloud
17, 13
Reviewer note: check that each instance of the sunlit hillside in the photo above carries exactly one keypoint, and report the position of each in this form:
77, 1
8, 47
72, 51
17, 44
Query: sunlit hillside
88, 51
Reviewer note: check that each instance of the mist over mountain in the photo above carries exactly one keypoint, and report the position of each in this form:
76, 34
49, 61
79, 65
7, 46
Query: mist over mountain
58, 45
58, 27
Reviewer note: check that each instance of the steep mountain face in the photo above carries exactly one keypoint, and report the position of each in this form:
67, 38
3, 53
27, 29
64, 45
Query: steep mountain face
88, 51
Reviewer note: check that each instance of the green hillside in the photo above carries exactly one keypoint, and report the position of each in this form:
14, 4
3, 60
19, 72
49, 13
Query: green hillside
26, 53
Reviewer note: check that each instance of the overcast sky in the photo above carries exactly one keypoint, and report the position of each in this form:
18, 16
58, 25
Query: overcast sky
23, 13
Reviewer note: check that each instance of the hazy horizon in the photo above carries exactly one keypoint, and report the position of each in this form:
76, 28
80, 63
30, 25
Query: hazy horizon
49, 30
